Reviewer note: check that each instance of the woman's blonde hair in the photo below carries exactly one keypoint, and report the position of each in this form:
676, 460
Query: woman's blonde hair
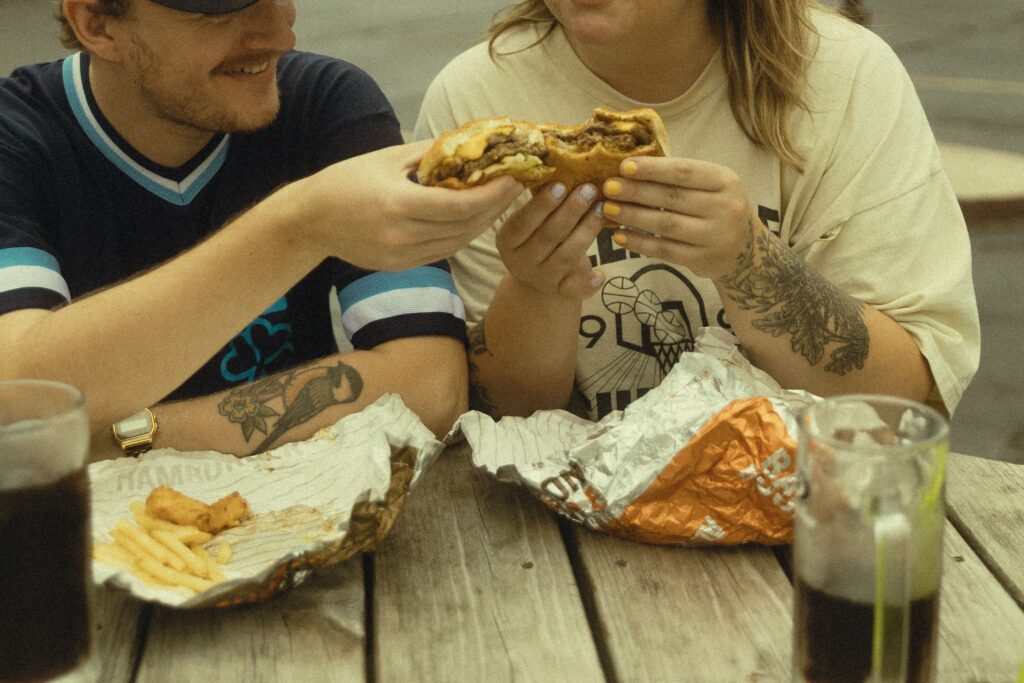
766, 48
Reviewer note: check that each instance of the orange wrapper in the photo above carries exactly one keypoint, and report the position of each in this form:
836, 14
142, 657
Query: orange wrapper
706, 458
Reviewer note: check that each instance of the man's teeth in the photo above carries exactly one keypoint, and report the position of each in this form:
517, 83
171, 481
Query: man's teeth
254, 69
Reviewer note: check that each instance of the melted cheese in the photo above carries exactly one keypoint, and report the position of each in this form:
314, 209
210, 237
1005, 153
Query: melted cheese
475, 147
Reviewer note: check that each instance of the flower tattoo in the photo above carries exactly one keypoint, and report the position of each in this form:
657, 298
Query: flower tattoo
244, 407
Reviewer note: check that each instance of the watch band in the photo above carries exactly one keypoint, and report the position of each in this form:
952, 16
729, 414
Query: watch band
137, 446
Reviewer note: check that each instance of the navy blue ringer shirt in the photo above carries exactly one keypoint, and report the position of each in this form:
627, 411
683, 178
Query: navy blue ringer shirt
80, 210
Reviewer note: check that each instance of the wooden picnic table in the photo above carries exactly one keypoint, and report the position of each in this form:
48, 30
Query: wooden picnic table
479, 582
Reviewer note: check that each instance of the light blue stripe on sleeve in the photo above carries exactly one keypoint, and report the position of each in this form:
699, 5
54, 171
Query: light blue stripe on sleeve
380, 283
27, 256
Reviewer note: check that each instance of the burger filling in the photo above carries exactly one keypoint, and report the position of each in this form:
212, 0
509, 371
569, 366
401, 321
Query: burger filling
611, 136
500, 146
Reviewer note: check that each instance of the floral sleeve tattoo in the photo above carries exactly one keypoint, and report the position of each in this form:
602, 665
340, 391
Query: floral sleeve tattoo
274, 405
771, 280
478, 397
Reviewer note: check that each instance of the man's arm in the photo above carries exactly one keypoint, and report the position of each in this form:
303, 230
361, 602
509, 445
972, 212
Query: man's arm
428, 372
130, 345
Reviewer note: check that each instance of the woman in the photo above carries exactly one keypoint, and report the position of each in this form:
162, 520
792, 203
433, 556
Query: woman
807, 212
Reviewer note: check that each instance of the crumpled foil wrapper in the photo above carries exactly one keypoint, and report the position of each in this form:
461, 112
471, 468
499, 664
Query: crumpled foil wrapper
706, 458
314, 503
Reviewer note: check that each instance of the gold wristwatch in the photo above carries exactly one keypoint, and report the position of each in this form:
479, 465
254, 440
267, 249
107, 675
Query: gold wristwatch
135, 434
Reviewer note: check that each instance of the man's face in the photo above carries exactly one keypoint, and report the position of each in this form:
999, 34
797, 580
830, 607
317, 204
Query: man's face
212, 73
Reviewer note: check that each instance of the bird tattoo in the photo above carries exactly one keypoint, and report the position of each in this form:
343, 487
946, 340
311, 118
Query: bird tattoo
310, 392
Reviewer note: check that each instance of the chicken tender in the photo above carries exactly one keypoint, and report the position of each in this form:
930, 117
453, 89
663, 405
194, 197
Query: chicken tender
228, 511
171, 505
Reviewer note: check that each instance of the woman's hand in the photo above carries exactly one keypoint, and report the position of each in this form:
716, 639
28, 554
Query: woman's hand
367, 211
544, 244
698, 212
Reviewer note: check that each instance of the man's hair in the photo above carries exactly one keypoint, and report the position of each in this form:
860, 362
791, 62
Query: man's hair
766, 49
107, 8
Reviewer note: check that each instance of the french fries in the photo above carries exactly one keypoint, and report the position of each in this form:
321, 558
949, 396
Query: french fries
212, 568
164, 553
224, 553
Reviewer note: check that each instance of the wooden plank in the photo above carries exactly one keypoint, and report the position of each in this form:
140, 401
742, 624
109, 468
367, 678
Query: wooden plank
715, 614
474, 584
116, 621
981, 628
985, 500
314, 633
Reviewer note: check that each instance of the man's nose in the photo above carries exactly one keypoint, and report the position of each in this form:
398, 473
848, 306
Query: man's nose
269, 25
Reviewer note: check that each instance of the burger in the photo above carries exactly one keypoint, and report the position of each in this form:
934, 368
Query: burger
483, 149
535, 154
592, 151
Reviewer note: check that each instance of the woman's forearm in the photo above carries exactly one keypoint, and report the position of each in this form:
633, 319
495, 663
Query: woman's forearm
809, 334
522, 355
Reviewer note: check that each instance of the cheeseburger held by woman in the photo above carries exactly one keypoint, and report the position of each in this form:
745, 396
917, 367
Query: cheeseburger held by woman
803, 206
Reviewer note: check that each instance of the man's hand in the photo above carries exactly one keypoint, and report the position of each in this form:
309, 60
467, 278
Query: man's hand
369, 212
544, 244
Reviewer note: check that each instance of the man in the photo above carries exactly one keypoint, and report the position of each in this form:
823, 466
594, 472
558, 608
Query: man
177, 200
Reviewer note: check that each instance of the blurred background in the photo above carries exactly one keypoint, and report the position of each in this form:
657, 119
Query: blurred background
966, 59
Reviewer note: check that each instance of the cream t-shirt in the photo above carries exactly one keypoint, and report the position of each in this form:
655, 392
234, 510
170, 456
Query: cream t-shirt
873, 211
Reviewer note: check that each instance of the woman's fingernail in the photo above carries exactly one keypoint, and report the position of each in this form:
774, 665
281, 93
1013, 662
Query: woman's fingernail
610, 209
557, 190
612, 187
596, 278
619, 238
629, 167
588, 191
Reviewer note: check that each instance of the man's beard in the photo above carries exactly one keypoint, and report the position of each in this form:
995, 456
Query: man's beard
178, 105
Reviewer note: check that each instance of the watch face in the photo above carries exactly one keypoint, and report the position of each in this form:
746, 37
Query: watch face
136, 425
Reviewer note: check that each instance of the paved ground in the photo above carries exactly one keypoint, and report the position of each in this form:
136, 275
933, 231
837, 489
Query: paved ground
990, 420
966, 59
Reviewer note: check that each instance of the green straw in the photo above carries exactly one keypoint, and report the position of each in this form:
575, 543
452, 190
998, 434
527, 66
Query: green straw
895, 621
931, 497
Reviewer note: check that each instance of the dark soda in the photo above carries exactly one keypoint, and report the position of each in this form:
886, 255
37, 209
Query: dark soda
45, 571
836, 637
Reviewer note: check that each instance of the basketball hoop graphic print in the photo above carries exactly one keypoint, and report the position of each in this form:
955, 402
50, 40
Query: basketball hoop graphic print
651, 332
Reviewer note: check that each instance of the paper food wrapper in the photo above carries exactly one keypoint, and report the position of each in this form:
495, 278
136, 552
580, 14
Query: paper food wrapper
314, 503
706, 458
